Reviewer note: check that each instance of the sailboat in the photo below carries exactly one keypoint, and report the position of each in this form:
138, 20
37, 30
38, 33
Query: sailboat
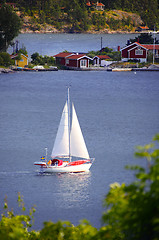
69, 153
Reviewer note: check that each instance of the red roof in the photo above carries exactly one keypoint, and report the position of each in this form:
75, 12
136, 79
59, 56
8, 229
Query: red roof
13, 56
88, 4
146, 46
144, 27
103, 57
151, 46
63, 54
100, 4
77, 56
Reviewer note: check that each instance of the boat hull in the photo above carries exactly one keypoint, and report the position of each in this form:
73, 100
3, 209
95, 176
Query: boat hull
66, 169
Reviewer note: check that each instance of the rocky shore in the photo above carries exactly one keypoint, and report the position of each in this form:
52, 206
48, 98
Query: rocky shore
53, 30
112, 68
6, 70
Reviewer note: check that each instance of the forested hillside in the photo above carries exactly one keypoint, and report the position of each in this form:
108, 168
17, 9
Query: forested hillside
78, 15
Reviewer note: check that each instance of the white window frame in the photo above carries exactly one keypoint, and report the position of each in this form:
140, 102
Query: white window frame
67, 61
138, 52
83, 63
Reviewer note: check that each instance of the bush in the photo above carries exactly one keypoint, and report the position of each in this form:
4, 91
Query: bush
133, 209
5, 59
40, 60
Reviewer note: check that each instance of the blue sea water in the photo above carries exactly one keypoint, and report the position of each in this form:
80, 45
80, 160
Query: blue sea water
51, 44
117, 111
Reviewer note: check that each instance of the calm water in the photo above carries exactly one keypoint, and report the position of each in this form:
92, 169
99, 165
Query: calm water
116, 110
50, 44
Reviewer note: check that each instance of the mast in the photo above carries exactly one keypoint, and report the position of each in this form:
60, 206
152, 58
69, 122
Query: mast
154, 47
69, 127
46, 154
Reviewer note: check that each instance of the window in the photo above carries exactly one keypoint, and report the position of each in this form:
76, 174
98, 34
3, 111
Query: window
138, 52
21, 60
84, 63
67, 61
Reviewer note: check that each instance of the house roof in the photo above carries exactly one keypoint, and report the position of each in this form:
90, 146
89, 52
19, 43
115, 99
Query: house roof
78, 56
96, 4
63, 54
144, 27
88, 4
151, 46
100, 4
146, 46
15, 55
137, 44
102, 57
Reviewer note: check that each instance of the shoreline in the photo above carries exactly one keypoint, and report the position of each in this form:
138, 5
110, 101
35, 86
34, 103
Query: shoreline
151, 68
24, 31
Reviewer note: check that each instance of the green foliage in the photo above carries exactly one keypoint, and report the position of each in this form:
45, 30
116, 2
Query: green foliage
144, 38
133, 210
65, 230
114, 55
16, 226
10, 25
23, 50
18, 57
5, 59
148, 10
80, 18
40, 60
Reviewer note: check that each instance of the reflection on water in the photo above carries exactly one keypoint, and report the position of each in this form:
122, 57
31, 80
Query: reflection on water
71, 188
74, 187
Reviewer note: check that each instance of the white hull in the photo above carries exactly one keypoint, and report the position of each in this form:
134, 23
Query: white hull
66, 169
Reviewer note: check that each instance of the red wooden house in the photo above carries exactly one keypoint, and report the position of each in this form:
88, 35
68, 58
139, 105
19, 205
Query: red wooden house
139, 51
61, 57
78, 61
100, 60
72, 60
97, 5
142, 29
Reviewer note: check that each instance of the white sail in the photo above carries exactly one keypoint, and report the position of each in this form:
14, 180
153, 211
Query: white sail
61, 145
77, 144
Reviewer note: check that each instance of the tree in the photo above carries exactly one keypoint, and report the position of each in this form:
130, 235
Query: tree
10, 25
133, 210
34, 57
18, 58
144, 38
5, 59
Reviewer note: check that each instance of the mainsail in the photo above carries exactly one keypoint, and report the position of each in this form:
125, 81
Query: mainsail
61, 145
